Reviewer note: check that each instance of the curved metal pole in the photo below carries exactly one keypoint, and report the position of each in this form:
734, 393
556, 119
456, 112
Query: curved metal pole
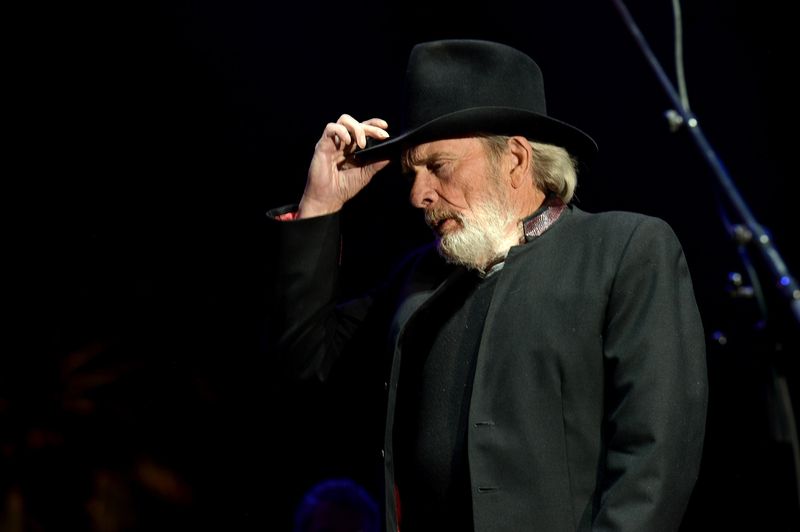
751, 231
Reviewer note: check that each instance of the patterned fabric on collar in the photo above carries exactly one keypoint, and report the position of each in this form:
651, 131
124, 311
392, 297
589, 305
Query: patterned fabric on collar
541, 220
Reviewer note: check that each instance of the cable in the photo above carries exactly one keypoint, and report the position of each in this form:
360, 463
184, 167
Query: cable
677, 18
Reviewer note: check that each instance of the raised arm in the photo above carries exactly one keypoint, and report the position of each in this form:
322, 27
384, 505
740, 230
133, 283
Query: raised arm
306, 328
333, 176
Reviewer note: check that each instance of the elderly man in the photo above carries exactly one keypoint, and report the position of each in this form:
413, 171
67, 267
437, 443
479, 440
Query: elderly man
546, 366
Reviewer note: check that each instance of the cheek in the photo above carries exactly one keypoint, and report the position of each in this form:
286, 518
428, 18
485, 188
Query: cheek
458, 195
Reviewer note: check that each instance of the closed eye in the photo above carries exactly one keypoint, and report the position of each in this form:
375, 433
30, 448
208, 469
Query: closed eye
441, 169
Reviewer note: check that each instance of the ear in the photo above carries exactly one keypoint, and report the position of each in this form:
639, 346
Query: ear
520, 159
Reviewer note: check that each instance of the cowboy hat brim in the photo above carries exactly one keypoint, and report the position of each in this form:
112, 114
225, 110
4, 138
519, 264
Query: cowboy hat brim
485, 120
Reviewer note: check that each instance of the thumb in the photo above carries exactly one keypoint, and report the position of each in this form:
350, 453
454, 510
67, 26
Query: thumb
373, 168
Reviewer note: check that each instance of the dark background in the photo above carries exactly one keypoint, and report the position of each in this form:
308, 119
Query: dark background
148, 140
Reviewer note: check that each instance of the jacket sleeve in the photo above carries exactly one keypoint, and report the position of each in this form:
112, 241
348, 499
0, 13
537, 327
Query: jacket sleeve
306, 329
656, 386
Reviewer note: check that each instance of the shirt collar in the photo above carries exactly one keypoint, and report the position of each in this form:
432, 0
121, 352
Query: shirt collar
535, 225
545, 216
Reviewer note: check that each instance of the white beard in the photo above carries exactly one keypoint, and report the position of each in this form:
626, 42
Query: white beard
483, 238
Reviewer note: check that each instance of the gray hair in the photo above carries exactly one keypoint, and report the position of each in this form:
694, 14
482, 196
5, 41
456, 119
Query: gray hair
552, 169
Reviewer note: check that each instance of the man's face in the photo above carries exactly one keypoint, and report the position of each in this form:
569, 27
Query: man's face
464, 196
449, 177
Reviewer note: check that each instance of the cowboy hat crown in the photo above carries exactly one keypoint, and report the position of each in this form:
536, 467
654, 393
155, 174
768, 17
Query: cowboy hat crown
459, 87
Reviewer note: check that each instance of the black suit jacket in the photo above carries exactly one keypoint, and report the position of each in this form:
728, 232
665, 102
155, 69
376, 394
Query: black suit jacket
589, 398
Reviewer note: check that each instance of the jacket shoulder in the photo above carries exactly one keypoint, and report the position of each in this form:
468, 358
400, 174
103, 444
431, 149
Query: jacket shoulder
622, 223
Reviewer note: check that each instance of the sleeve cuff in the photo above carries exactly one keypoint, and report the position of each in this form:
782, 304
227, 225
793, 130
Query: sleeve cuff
287, 217
287, 213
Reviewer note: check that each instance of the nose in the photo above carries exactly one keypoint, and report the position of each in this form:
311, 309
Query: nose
423, 192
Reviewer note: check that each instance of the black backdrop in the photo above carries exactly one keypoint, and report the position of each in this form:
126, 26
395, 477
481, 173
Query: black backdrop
150, 138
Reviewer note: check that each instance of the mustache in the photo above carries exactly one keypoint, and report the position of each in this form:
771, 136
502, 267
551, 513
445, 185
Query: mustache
434, 217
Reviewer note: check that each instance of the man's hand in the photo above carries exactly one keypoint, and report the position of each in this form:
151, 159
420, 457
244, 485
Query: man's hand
333, 176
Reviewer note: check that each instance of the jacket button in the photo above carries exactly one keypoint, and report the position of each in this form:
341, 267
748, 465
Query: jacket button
385, 386
383, 453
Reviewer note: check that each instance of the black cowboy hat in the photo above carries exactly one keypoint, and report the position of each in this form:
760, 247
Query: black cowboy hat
461, 87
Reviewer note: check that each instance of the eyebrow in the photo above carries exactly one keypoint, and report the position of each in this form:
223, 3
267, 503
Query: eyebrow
412, 157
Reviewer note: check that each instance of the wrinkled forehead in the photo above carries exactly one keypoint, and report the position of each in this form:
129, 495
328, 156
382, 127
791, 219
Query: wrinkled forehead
411, 157
454, 148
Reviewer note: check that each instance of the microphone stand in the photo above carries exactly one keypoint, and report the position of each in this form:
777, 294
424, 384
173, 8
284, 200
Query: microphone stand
748, 232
